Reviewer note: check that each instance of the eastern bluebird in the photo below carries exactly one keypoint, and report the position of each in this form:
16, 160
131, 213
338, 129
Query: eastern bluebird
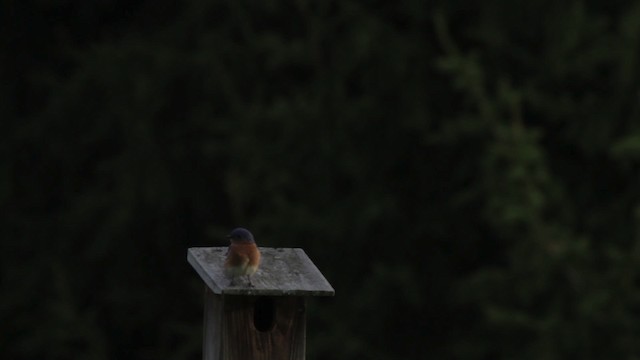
243, 256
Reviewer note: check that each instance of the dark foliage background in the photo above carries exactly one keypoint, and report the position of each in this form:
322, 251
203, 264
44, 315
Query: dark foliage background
464, 173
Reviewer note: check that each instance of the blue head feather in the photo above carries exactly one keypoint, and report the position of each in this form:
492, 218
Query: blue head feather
241, 234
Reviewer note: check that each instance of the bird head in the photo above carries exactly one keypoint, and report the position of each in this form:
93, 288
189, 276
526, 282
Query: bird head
240, 235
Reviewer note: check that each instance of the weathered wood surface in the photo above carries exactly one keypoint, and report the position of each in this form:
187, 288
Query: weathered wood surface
241, 340
212, 334
282, 271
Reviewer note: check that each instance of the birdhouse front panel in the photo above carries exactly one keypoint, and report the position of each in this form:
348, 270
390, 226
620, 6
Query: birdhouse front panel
263, 328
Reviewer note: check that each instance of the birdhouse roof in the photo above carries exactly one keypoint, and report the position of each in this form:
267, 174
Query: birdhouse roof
282, 271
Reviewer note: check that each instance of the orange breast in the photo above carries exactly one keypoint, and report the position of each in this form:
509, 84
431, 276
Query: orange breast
242, 259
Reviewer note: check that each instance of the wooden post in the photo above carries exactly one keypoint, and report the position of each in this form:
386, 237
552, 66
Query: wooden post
264, 322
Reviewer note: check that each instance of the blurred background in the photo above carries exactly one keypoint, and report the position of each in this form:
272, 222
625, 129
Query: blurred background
465, 174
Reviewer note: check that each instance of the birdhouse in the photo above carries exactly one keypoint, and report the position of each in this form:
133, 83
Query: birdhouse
265, 320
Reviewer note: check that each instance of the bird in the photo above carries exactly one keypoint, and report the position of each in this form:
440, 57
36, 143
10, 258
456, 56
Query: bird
243, 256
